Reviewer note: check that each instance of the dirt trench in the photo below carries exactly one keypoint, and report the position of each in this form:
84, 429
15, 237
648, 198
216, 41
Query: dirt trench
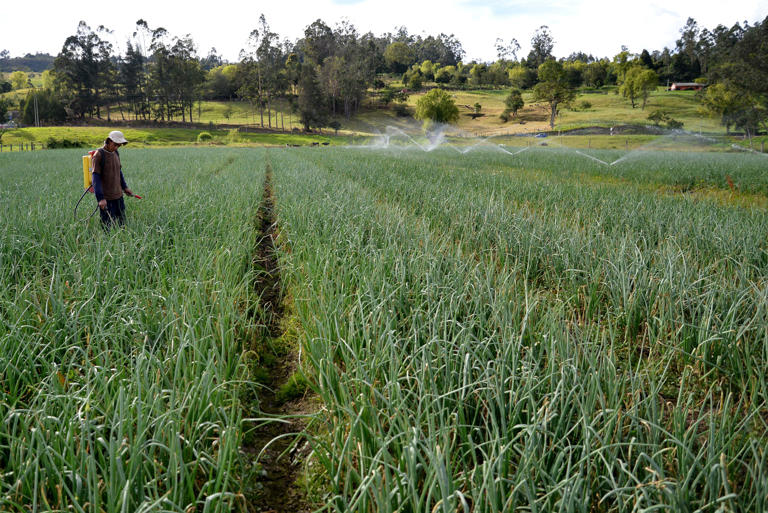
273, 446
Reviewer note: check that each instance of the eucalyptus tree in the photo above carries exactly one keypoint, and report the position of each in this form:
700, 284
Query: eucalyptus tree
262, 75
82, 67
542, 44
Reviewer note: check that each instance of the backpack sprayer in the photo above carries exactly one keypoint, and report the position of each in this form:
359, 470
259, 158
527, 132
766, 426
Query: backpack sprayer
88, 182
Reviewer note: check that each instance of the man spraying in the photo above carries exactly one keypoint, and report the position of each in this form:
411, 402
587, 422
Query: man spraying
108, 181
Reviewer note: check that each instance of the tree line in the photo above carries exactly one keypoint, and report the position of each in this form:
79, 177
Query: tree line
329, 71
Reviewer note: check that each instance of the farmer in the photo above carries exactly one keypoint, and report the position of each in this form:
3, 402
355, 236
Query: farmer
108, 181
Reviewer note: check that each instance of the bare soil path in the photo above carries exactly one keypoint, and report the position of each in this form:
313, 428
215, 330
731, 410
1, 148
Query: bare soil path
272, 443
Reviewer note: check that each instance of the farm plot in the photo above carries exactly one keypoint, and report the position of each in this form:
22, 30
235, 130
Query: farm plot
122, 355
492, 338
486, 333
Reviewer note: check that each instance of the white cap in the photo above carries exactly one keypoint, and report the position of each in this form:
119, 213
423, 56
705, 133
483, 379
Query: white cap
117, 137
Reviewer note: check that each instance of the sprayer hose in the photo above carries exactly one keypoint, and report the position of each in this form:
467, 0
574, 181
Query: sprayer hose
78, 204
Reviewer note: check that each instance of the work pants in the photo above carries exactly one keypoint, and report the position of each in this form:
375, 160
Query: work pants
114, 214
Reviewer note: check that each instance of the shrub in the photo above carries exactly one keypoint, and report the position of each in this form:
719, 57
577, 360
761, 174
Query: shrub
504, 117
204, 137
444, 75
53, 143
585, 105
657, 116
402, 110
437, 106
674, 124
415, 82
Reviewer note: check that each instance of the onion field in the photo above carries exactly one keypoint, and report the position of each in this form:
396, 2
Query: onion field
481, 332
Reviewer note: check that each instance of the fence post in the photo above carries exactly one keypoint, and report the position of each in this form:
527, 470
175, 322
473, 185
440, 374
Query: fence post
626, 144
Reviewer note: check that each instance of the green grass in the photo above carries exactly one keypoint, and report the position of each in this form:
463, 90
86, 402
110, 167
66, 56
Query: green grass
92, 137
608, 109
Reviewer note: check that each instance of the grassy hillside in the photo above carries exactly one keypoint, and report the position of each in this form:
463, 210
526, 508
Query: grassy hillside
94, 137
607, 109
603, 108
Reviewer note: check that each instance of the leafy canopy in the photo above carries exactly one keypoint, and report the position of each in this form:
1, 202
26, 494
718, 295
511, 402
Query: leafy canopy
437, 106
553, 88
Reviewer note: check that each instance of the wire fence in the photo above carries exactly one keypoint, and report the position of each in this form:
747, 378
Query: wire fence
29, 146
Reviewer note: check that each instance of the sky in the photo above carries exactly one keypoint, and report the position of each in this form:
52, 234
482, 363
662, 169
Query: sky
599, 27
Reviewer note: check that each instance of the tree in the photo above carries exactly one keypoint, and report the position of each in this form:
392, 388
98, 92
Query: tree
49, 108
553, 88
646, 59
505, 51
596, 74
319, 42
541, 47
622, 61
19, 80
444, 49
310, 101
82, 67
3, 110
688, 43
428, 70
513, 102
638, 83
574, 72
399, 57
725, 102
221, 82
187, 75
212, 60
262, 76
477, 74
49, 79
743, 68
133, 77
271, 62
437, 106
522, 77
416, 82
445, 74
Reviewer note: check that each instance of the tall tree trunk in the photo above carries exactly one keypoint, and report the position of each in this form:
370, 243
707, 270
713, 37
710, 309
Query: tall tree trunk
552, 115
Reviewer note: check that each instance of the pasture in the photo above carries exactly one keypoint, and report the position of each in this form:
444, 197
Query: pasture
533, 329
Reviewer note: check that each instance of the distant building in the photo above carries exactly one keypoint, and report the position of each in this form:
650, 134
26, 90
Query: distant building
686, 86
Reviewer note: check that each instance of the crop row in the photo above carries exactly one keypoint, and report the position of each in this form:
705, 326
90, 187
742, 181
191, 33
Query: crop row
121, 353
490, 338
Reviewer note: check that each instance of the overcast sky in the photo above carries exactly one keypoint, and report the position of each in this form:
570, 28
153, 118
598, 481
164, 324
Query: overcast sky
599, 27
